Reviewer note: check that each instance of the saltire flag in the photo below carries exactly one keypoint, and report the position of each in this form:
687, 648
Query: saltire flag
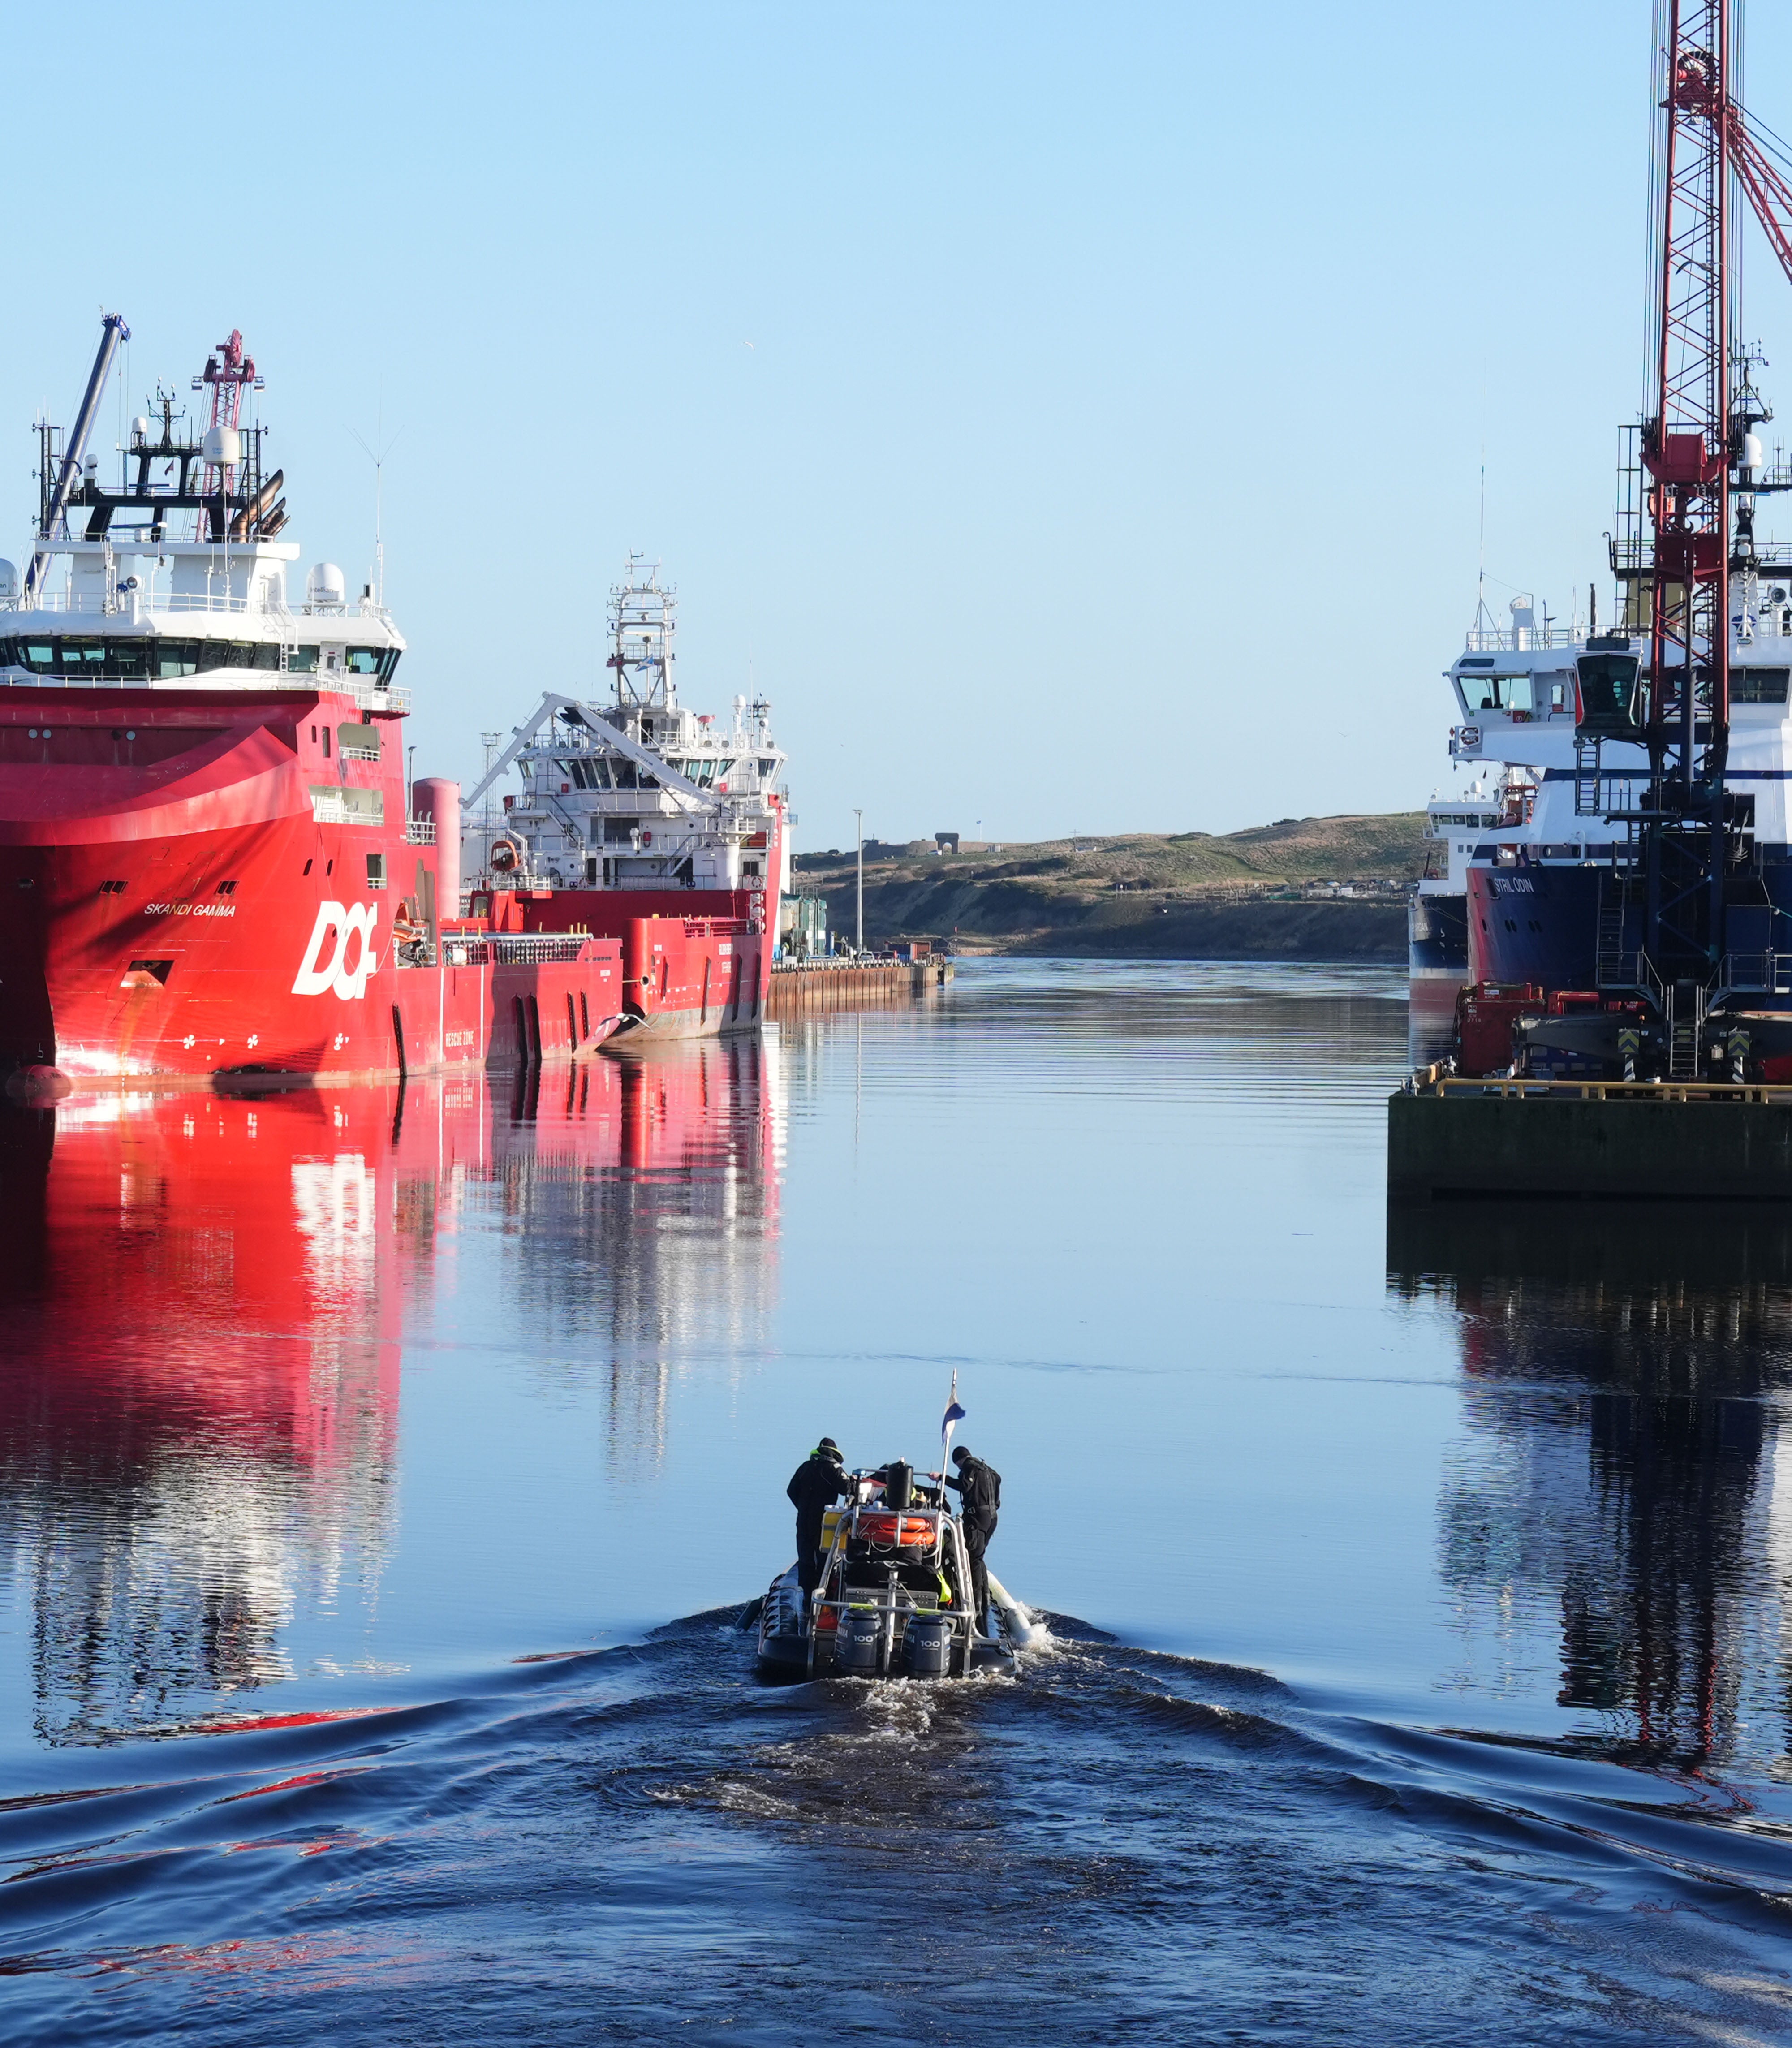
954, 1415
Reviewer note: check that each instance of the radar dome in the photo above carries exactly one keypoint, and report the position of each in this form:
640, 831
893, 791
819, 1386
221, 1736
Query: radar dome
324, 587
9, 582
222, 444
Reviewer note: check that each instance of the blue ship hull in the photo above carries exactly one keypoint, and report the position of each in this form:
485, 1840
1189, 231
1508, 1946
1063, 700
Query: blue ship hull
1537, 925
1438, 937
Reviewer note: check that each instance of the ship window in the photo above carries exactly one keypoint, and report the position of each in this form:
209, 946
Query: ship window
326, 743
1759, 685
227, 888
766, 767
38, 654
301, 661
306, 869
364, 660
1496, 693
376, 870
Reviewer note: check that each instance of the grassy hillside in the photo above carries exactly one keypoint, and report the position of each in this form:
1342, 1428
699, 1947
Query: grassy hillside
1271, 892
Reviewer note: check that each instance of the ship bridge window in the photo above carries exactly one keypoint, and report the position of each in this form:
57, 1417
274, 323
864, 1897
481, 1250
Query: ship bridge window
1496, 693
118, 659
371, 661
301, 661
1759, 685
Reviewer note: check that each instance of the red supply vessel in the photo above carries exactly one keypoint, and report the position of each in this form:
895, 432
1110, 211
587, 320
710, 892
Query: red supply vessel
209, 862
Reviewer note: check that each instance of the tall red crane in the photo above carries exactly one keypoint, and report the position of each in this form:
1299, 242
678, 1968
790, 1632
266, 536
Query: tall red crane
1699, 462
1689, 448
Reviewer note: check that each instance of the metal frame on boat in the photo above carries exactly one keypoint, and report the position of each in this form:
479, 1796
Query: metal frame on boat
870, 1616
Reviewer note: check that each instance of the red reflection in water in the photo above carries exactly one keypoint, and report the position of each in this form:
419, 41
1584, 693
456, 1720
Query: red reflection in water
204, 1299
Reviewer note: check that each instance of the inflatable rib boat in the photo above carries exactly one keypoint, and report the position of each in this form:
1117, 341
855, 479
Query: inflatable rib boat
894, 1599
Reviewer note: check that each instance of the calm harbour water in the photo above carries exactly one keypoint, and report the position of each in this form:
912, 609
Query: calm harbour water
380, 1475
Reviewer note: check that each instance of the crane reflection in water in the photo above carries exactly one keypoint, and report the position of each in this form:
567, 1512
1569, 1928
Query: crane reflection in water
207, 1298
1622, 1369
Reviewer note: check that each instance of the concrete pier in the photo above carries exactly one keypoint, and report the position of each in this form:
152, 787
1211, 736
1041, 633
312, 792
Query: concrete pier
1449, 1138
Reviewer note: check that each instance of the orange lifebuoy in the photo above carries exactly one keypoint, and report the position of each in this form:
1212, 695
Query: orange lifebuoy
883, 1529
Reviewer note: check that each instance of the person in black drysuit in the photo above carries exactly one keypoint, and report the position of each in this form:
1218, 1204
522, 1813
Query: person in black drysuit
817, 1483
979, 1491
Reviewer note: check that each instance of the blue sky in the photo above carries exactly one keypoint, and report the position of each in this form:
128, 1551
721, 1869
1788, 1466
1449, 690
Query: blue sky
1072, 415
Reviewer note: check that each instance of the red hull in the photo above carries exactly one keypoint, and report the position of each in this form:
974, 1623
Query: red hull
196, 882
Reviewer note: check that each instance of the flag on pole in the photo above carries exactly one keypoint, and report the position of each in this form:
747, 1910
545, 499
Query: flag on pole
954, 1415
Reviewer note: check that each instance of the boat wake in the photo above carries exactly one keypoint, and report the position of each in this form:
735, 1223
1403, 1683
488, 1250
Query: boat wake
1104, 1843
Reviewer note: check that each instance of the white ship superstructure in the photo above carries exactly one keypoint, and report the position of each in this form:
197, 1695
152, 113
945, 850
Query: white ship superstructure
638, 794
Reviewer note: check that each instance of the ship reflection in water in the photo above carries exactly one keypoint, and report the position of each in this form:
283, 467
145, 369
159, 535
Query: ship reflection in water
1620, 1488
207, 1298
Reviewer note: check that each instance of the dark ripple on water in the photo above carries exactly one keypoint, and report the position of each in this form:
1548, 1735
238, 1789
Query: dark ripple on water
645, 1842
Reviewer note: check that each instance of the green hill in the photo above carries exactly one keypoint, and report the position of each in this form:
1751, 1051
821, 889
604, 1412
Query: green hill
1303, 888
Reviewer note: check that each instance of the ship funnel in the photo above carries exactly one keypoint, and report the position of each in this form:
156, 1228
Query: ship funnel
324, 590
221, 445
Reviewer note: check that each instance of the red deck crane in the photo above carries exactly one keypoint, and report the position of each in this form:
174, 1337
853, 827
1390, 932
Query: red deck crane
1698, 459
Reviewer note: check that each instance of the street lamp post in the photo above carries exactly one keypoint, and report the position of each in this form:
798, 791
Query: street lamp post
859, 942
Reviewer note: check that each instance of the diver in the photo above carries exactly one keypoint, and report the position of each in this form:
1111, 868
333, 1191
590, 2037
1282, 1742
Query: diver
980, 1489
817, 1483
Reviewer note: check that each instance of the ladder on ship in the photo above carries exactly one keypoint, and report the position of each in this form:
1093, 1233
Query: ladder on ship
1614, 966
1587, 778
1685, 1008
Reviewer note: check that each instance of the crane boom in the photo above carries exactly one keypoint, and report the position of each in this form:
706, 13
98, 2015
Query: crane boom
112, 331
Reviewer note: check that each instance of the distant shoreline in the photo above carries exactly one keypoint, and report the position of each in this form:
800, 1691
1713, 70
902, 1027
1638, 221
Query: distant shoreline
1323, 889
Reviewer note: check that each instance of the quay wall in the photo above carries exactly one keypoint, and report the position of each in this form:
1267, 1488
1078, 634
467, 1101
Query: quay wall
802, 988
1442, 1146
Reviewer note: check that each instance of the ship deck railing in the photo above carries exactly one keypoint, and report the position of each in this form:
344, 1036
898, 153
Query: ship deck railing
810, 963
1434, 1081
83, 604
512, 948
1521, 640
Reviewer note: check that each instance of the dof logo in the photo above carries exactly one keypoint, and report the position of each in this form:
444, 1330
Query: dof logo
345, 968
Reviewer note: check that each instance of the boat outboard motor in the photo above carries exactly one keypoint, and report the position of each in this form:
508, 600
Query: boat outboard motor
927, 1643
898, 1485
856, 1644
